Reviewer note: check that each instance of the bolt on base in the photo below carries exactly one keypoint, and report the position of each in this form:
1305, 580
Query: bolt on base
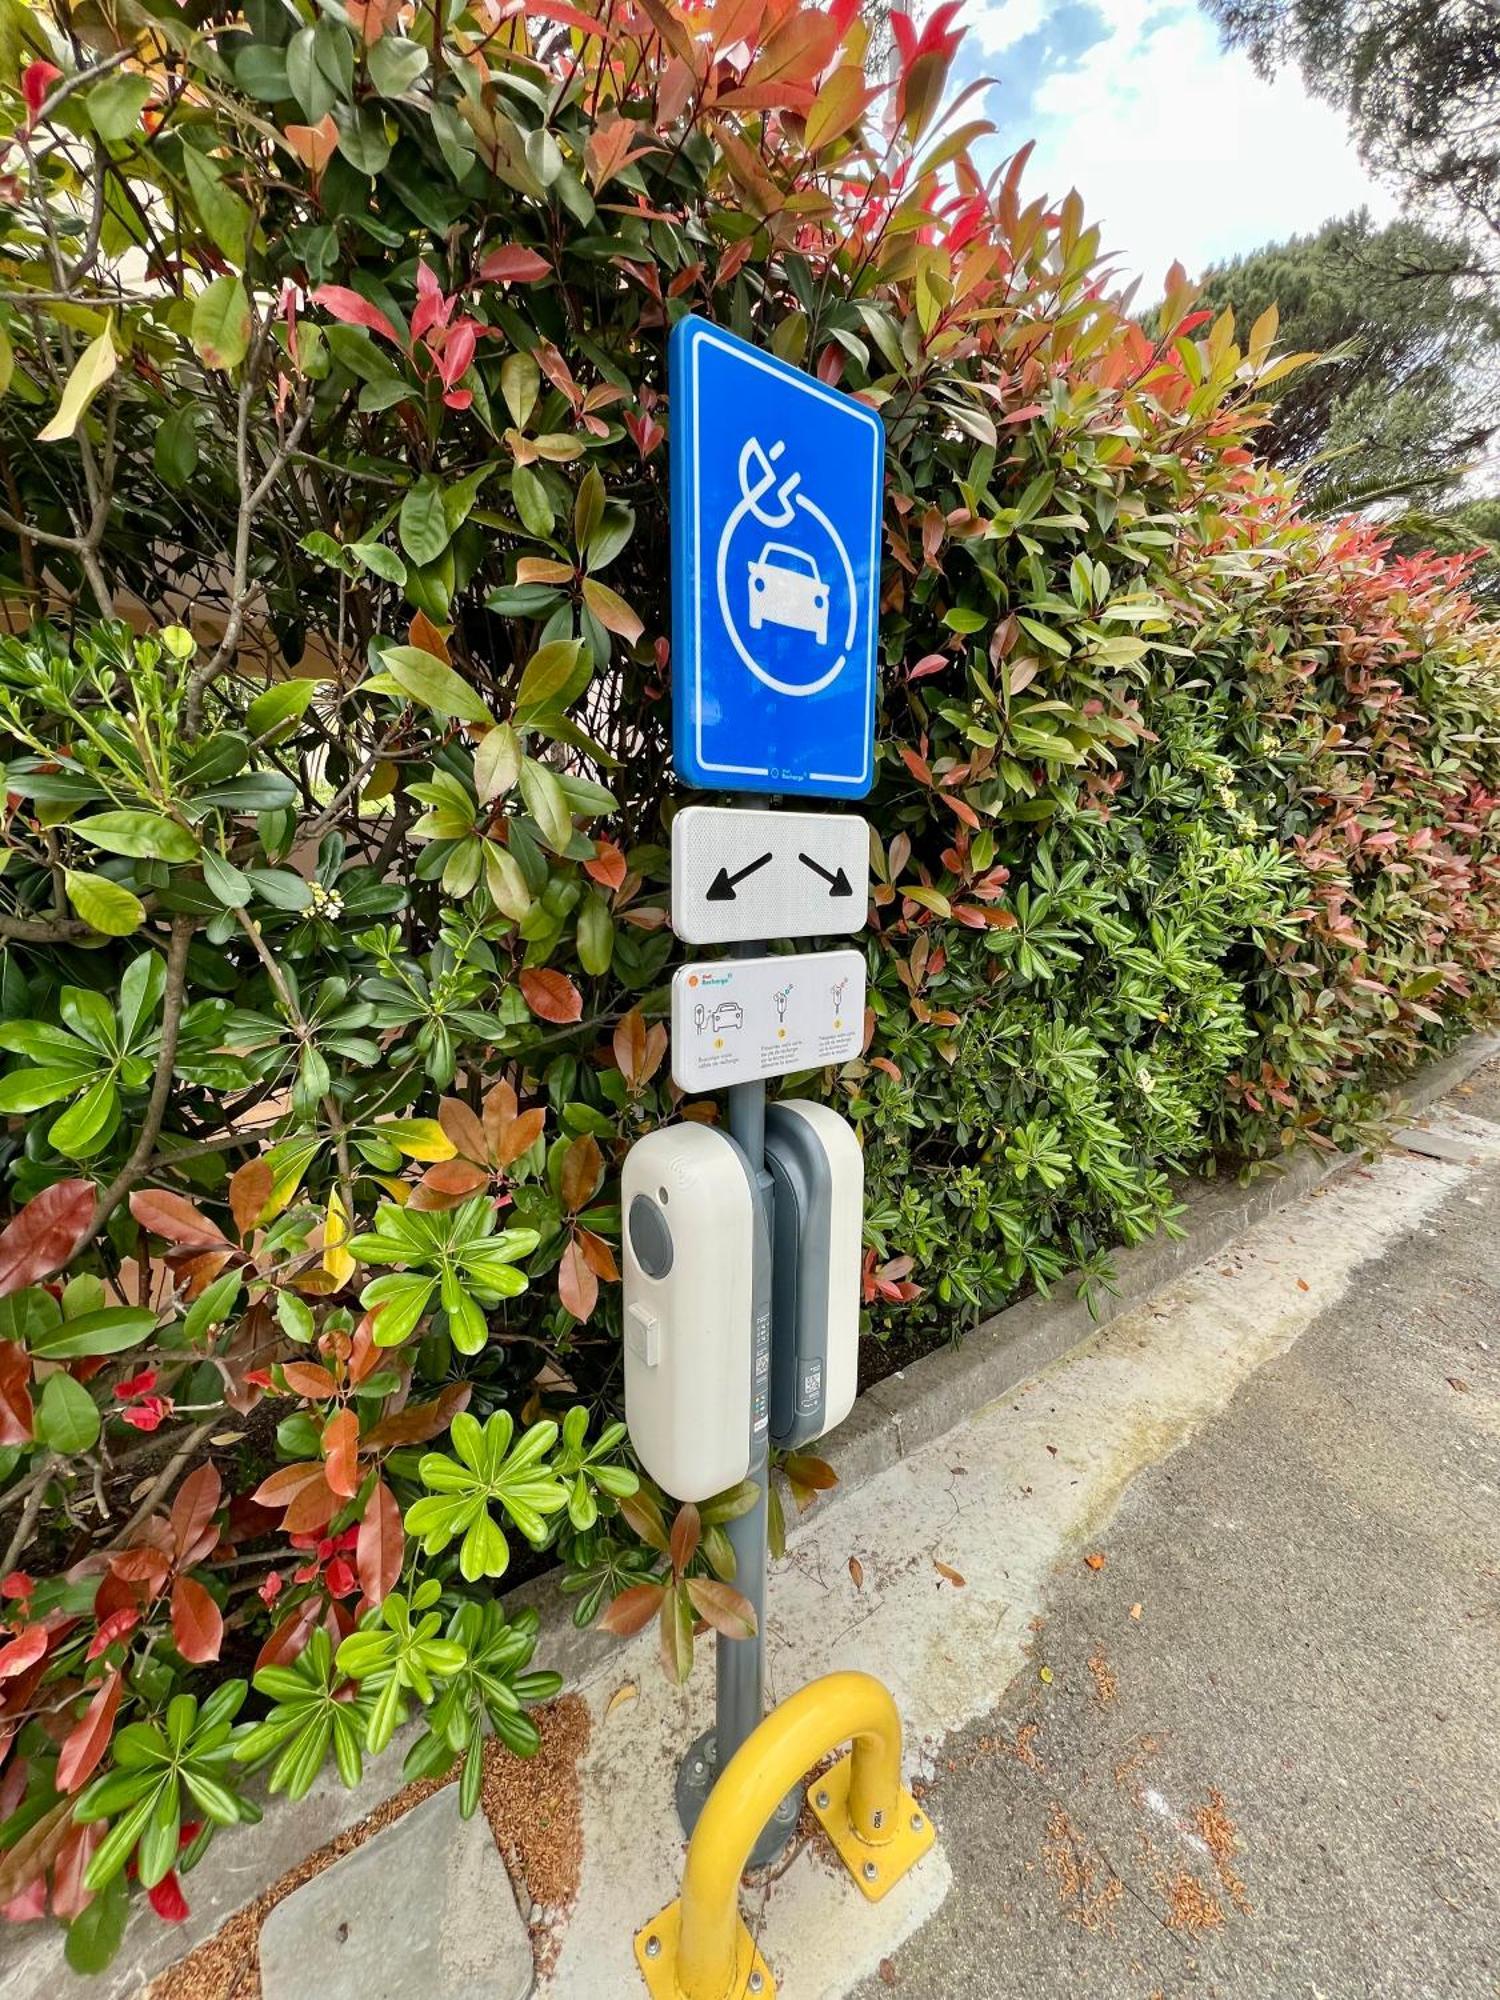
656, 1955
875, 1869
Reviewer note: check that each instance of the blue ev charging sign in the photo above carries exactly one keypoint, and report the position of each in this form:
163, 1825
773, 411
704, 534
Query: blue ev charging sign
776, 492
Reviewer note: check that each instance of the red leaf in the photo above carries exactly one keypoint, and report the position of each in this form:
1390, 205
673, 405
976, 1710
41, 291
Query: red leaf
175, 1218
598, 1256
355, 311
308, 1378
607, 866
341, 1453
69, 1897
916, 765
250, 1188
23, 1651
577, 1286
687, 1531
313, 1508
290, 1636
197, 1622
89, 1737
551, 996
633, 1610
193, 1511
931, 663
15, 1394
46, 1232
281, 1487
513, 263
419, 1421
582, 1171
305, 1494
36, 80
167, 1899
114, 1627
381, 1545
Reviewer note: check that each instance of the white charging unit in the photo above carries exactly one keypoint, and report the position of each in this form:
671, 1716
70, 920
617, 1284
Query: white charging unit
697, 1309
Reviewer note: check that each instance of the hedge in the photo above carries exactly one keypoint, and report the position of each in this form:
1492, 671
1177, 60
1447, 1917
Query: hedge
333, 468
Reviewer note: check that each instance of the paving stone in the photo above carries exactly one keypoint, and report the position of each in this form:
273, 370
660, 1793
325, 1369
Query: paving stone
426, 1907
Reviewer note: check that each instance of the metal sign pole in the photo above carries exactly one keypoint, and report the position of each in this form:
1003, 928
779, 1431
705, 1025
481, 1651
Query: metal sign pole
740, 1664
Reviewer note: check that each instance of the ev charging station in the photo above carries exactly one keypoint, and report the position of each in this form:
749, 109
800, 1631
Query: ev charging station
742, 1245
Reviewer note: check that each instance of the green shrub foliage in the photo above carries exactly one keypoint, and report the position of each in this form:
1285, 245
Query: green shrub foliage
333, 490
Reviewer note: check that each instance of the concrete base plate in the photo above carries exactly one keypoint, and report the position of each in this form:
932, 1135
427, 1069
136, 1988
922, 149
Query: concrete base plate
656, 1955
875, 1869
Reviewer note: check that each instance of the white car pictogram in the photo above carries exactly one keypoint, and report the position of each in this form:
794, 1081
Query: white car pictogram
728, 1014
786, 589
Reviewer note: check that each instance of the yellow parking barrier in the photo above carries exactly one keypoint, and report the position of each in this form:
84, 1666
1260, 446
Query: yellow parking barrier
699, 1947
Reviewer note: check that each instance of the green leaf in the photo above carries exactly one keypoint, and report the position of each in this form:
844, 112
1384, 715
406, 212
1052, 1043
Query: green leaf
315, 92
176, 452
596, 934
109, 1331
96, 1933
395, 64
91, 371
435, 686
532, 503
115, 105
497, 763
103, 905
282, 702
547, 803
221, 323
520, 383
138, 833
423, 521
84, 1126
551, 678
31, 1089
375, 556
505, 881
67, 1417
362, 139
222, 213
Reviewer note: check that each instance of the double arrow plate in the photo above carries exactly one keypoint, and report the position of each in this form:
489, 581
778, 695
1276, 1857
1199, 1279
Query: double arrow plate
740, 875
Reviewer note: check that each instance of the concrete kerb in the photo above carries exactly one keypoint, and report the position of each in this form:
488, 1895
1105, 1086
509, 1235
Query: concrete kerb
890, 1421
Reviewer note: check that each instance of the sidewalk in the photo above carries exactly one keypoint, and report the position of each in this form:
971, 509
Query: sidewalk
1266, 1763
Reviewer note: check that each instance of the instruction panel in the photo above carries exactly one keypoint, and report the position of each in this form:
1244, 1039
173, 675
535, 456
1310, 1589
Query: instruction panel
738, 1020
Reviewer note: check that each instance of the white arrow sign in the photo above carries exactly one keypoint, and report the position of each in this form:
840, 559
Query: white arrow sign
739, 1020
741, 875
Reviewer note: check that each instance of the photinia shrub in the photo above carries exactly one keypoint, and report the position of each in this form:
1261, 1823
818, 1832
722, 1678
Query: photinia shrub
333, 878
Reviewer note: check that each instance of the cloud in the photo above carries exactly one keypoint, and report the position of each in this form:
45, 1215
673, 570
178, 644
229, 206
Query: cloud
1179, 149
1000, 26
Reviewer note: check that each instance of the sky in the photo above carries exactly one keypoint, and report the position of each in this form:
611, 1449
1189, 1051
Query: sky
1178, 149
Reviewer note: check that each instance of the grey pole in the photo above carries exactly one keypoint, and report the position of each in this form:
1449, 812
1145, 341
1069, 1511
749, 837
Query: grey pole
740, 1664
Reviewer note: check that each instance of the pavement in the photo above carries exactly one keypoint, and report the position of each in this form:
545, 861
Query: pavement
1264, 1760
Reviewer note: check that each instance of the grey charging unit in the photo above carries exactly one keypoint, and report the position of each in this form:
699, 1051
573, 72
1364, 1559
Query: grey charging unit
817, 1172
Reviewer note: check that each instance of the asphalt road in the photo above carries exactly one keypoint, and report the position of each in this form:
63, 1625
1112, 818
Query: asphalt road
1255, 1753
